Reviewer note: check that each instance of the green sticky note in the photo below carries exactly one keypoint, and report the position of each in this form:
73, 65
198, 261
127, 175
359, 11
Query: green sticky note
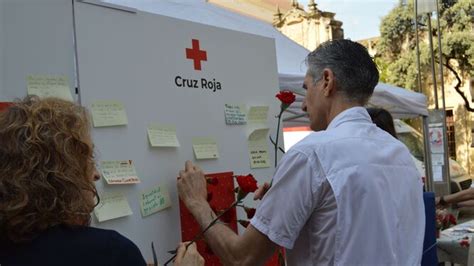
205, 148
258, 148
162, 136
154, 200
235, 114
45, 86
258, 114
108, 113
112, 206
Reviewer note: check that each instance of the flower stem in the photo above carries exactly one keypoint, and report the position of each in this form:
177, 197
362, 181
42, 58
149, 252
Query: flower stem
277, 135
198, 236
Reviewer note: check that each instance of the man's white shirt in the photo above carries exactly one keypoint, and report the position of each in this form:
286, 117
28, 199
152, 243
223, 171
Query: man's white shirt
348, 195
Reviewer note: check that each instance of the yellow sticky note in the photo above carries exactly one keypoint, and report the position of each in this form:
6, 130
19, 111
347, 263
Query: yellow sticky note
119, 172
258, 114
258, 148
162, 136
235, 114
154, 200
49, 86
205, 148
112, 206
108, 113
259, 134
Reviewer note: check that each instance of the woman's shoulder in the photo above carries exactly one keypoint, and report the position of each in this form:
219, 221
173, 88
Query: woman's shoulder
78, 244
103, 239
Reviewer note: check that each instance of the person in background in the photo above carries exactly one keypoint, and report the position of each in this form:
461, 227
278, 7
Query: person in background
47, 191
347, 194
463, 198
383, 119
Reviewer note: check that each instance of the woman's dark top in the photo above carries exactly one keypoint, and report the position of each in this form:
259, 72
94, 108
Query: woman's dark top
62, 245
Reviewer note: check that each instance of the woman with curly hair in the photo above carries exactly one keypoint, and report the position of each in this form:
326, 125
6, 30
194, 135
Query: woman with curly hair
47, 191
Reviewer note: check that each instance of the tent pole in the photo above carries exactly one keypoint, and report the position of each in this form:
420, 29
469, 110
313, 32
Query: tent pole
429, 184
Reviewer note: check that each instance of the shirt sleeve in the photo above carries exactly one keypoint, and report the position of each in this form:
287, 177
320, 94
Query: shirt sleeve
289, 203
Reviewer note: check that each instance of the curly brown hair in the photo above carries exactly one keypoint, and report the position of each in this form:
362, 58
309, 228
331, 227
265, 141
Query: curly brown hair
46, 164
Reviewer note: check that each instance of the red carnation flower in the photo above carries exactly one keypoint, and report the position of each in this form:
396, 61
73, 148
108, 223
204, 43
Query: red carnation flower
244, 223
250, 212
247, 183
286, 97
452, 219
227, 217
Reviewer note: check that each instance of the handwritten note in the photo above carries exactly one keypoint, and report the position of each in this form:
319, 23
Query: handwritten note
258, 114
108, 113
112, 206
49, 86
119, 172
258, 148
154, 200
235, 114
162, 136
205, 148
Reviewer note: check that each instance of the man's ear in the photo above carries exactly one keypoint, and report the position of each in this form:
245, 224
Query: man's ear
329, 82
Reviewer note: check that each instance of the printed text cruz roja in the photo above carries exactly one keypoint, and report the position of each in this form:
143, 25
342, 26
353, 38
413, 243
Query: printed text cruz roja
202, 83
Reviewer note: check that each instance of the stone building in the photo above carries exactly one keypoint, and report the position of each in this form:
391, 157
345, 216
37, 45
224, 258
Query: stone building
308, 27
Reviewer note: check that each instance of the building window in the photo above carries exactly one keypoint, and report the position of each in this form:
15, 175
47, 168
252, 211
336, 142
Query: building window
451, 134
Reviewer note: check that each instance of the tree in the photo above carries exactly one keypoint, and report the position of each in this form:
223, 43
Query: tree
396, 49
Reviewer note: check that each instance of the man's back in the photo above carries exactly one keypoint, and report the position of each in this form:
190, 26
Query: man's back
365, 203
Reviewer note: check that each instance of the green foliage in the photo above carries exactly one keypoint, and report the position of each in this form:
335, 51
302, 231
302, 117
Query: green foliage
396, 29
396, 48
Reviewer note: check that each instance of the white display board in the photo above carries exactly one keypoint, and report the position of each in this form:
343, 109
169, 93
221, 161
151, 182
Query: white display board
36, 38
139, 59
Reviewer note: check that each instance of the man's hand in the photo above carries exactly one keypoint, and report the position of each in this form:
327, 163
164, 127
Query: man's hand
189, 257
260, 192
192, 185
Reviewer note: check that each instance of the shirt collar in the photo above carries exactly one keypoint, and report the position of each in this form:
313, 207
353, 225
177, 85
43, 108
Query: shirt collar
354, 113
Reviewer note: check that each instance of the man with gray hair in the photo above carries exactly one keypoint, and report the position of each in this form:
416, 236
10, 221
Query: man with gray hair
347, 194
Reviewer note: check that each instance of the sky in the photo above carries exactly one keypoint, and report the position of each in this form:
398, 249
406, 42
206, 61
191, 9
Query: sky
361, 18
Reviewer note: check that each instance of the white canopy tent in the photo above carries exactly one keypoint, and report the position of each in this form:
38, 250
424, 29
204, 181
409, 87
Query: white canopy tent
401, 103
290, 56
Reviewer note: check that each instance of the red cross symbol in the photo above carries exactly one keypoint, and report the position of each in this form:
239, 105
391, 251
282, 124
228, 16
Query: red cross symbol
196, 55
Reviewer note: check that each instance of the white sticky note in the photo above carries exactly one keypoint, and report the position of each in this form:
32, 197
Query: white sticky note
235, 114
49, 86
119, 172
108, 113
205, 148
437, 173
437, 158
258, 114
112, 206
258, 148
162, 136
154, 200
